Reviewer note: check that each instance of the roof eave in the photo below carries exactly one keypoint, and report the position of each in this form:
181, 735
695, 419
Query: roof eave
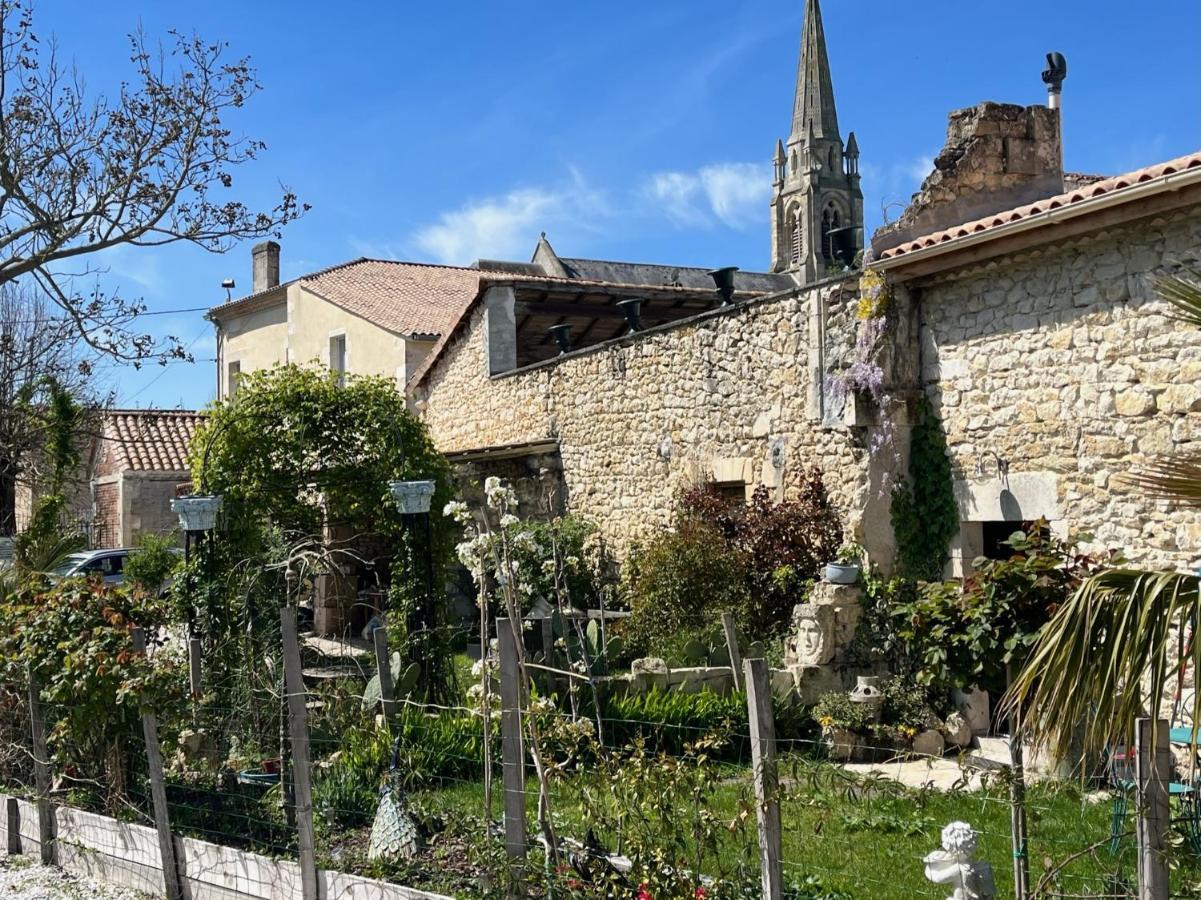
1169, 183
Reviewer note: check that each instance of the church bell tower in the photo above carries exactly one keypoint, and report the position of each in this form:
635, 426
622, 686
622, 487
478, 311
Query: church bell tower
817, 206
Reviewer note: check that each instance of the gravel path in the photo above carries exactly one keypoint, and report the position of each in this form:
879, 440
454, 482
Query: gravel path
23, 879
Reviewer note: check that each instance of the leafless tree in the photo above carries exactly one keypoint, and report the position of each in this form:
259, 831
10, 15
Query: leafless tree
150, 165
38, 345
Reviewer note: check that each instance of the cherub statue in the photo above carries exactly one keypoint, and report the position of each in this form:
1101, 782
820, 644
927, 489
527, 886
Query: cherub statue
956, 865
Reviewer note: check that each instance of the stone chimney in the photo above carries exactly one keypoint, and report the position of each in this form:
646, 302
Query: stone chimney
264, 260
997, 156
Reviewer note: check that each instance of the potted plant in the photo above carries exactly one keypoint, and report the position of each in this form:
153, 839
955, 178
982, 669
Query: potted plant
845, 725
846, 566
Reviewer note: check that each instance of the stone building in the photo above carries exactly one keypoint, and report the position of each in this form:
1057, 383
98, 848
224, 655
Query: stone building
138, 461
366, 316
1024, 308
132, 462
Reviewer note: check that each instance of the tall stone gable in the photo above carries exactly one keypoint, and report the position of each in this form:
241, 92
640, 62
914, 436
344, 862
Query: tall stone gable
817, 206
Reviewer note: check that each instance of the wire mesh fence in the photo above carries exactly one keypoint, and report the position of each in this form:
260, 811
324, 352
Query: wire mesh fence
614, 795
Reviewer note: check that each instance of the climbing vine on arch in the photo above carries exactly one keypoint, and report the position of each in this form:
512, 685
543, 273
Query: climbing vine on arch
296, 457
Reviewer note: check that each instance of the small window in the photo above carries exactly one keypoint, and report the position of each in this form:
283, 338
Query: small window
733, 492
337, 357
234, 376
995, 534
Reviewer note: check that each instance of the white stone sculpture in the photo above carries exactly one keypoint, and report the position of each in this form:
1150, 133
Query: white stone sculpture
956, 865
812, 639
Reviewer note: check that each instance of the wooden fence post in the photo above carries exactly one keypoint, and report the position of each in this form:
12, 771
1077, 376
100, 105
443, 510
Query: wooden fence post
727, 625
13, 826
383, 665
512, 745
195, 652
41, 771
302, 771
158, 791
1153, 768
765, 774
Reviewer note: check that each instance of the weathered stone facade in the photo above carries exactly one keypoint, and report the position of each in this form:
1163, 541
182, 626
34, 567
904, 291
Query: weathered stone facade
1056, 369
996, 156
733, 395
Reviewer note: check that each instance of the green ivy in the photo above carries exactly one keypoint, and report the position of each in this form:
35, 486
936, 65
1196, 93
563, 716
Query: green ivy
925, 516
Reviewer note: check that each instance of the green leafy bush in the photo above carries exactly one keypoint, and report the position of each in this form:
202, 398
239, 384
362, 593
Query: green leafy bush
153, 562
75, 638
558, 561
967, 632
679, 583
755, 560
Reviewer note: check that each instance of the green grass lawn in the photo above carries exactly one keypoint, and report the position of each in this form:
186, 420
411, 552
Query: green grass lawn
867, 838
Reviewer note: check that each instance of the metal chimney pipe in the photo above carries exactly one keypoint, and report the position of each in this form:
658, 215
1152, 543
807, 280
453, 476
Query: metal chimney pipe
562, 336
1053, 77
724, 279
632, 308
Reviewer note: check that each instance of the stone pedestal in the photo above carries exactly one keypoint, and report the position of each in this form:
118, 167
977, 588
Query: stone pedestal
822, 630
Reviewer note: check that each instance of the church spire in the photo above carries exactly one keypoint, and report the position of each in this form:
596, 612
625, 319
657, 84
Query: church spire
817, 206
813, 109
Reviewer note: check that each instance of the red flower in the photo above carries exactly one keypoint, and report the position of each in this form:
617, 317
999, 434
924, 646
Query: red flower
643, 893
700, 894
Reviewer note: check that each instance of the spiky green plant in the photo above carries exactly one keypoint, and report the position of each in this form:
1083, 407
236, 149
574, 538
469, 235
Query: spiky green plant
1122, 638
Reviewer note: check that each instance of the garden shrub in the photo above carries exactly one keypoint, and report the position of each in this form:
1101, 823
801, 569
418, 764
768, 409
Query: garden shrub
558, 561
152, 563
756, 561
680, 583
964, 633
75, 638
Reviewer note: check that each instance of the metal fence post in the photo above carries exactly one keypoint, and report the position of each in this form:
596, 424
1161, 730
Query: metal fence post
301, 766
765, 774
41, 770
512, 745
158, 791
1153, 768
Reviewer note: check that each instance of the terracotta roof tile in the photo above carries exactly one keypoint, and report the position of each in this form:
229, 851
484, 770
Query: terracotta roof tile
151, 440
405, 298
1079, 195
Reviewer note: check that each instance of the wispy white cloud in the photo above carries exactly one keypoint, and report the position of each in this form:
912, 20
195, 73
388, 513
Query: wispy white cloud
506, 226
734, 194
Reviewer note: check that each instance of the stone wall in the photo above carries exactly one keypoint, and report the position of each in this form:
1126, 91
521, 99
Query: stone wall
1057, 369
733, 395
996, 156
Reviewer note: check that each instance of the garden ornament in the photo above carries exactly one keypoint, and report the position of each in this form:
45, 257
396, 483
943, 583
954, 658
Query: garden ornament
867, 692
956, 865
812, 640
393, 833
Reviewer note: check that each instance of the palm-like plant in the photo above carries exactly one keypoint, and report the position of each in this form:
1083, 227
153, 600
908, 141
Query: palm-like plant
1122, 639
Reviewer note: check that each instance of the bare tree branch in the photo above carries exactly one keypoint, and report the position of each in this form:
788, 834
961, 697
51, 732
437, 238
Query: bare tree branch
151, 166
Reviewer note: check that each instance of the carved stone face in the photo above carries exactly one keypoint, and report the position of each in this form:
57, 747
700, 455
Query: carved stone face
812, 640
809, 639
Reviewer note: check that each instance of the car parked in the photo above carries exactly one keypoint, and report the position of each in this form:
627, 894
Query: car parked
108, 564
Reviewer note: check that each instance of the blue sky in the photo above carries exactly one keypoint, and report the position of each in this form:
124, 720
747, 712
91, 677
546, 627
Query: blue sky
627, 130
